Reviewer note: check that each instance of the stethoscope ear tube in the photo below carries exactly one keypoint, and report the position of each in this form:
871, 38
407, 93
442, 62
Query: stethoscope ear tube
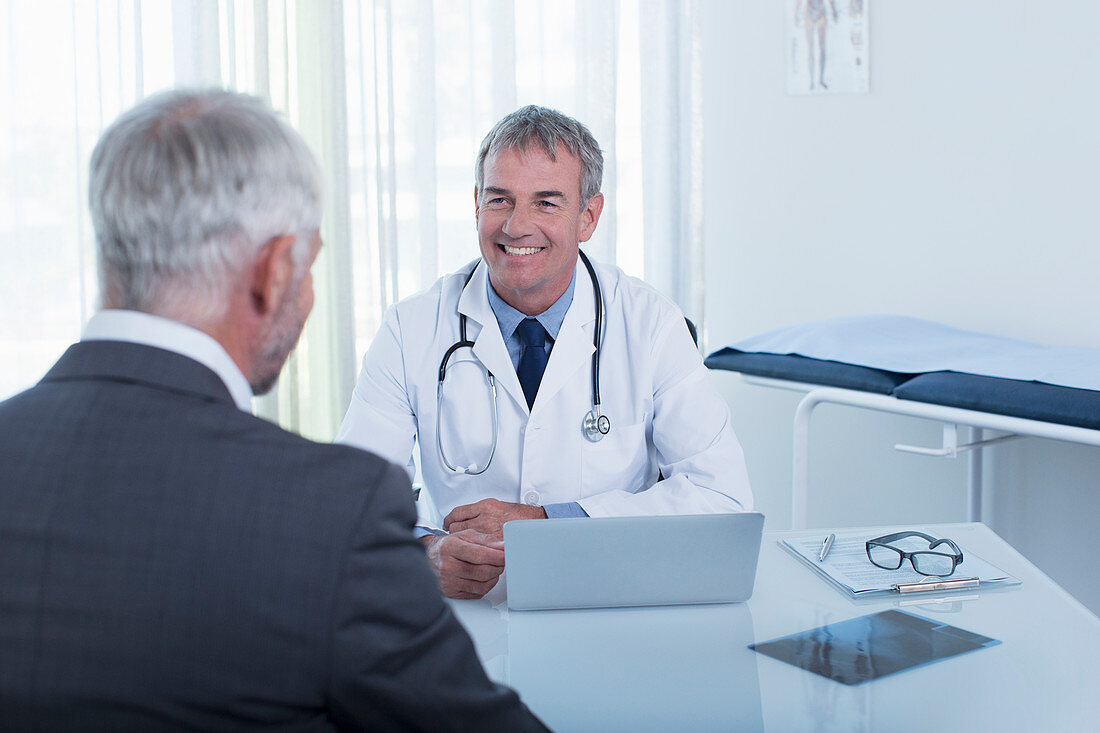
596, 425
472, 469
462, 343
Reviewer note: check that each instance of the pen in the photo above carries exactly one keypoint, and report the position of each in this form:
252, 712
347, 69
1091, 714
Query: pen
936, 584
826, 546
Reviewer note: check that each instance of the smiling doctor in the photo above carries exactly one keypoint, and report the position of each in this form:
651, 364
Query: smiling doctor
536, 384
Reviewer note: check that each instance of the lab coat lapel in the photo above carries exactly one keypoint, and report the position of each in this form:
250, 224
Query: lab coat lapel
573, 348
484, 331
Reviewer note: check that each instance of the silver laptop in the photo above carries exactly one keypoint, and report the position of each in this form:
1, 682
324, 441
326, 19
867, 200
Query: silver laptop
631, 561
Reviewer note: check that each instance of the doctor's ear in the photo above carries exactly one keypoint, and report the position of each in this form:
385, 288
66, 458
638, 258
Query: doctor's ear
590, 216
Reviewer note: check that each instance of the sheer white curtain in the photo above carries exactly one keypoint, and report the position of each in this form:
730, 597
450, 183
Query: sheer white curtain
394, 96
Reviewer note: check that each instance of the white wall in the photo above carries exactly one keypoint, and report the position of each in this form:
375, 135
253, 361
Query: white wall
962, 189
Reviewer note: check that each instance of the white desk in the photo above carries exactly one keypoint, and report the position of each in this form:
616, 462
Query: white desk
688, 668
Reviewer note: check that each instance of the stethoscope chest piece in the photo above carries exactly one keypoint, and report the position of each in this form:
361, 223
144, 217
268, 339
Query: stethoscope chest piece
596, 425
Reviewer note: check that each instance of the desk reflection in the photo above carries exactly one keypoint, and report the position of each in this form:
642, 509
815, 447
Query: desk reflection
638, 669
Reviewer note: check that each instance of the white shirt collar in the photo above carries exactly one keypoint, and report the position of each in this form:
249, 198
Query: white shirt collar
162, 333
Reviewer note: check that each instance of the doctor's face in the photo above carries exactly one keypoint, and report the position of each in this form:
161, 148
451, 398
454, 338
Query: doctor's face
530, 220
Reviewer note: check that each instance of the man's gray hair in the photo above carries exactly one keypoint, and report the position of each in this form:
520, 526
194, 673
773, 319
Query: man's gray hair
185, 188
548, 129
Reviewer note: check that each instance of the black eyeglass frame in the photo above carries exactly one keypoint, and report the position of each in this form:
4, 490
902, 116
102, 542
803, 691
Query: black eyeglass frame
933, 543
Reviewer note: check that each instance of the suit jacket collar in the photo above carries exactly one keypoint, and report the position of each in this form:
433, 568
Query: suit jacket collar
122, 361
114, 324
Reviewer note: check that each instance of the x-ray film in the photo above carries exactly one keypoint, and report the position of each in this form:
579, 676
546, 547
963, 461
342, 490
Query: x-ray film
864, 648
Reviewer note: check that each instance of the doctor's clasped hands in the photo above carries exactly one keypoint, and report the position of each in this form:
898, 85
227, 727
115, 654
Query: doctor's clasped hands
470, 558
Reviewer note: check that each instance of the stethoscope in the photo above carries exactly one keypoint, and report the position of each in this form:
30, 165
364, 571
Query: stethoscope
595, 426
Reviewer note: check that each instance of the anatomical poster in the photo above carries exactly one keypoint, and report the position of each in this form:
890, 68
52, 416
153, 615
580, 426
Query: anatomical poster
827, 47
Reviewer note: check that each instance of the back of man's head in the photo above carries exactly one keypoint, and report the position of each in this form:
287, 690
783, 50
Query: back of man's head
184, 190
548, 129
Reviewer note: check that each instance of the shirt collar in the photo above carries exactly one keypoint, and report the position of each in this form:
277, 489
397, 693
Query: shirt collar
162, 333
551, 318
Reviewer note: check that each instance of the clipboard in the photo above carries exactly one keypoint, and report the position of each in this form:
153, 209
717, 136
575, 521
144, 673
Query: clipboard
847, 568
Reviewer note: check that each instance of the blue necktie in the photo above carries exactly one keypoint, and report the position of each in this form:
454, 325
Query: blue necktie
532, 362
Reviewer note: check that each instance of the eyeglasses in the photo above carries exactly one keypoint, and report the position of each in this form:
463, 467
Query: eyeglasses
939, 564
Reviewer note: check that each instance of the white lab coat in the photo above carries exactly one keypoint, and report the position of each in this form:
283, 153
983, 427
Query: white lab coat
665, 414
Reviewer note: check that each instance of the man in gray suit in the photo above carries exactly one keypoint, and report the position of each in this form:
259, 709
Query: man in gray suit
169, 560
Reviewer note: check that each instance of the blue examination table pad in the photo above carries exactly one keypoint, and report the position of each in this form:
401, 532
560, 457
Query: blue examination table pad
919, 360
910, 345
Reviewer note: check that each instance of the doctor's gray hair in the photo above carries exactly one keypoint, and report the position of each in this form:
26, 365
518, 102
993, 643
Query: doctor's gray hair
185, 188
547, 128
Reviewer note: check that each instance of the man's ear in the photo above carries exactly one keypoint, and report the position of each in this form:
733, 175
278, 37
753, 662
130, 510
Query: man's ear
272, 274
590, 216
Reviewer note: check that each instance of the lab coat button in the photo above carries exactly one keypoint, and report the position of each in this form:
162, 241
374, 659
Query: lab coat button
531, 498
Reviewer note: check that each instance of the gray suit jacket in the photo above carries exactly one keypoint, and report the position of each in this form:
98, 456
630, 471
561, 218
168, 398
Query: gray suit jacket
170, 562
